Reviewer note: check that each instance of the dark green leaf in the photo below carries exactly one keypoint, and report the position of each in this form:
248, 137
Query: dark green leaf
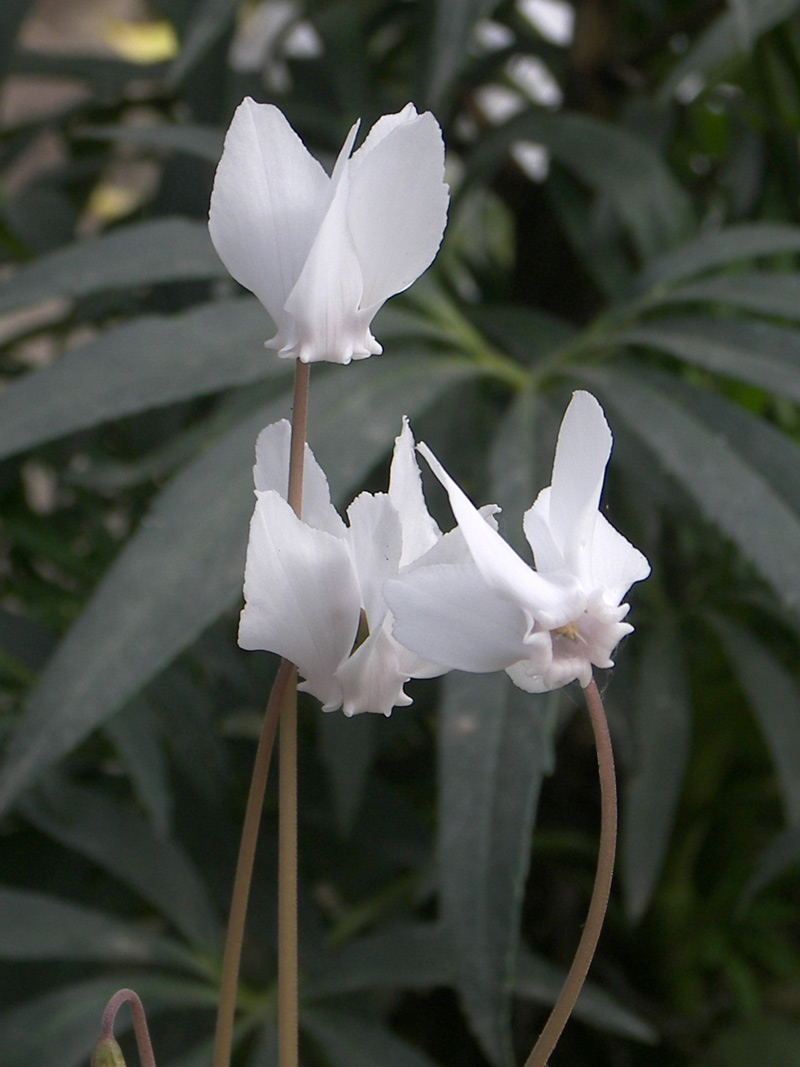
755, 352
449, 38
126, 846
727, 486
538, 980
661, 738
38, 927
780, 854
136, 737
348, 1041
763, 293
492, 754
205, 142
144, 253
347, 750
748, 240
722, 41
12, 12
642, 192
775, 699
406, 957
151, 361
210, 19
766, 1042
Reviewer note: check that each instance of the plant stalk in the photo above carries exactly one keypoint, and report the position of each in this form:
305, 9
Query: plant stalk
282, 703
562, 1009
143, 1043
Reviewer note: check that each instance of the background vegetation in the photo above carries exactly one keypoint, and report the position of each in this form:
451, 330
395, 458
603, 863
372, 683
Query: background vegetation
624, 219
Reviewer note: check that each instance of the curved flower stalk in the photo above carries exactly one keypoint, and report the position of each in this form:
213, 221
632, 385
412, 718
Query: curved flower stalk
544, 627
322, 253
313, 587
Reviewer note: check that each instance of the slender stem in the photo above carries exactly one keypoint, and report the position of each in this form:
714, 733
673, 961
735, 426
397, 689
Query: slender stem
288, 1013
143, 1044
244, 868
283, 696
562, 1009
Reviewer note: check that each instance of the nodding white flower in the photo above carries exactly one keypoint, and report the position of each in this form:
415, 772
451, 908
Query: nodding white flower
313, 586
323, 253
545, 627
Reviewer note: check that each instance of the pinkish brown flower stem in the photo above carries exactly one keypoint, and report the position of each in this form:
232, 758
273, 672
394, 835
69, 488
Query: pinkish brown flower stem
143, 1044
587, 945
282, 704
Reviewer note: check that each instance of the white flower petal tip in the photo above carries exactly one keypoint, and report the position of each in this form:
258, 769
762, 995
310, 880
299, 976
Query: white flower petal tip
322, 253
314, 586
545, 627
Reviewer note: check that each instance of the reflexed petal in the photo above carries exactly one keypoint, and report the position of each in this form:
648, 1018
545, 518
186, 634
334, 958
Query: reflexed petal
371, 678
323, 306
375, 541
301, 595
270, 196
420, 532
398, 203
616, 564
553, 601
272, 472
448, 614
579, 468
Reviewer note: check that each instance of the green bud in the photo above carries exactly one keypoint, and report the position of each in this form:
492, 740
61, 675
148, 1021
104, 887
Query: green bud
107, 1053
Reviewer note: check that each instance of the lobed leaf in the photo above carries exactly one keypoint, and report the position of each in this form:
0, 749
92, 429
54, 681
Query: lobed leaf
763, 293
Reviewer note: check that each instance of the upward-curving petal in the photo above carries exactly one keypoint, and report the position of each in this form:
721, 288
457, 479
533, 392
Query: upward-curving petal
398, 203
270, 196
553, 600
420, 532
579, 469
616, 564
272, 472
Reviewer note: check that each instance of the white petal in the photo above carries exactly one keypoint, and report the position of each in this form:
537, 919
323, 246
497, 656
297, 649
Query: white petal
448, 614
398, 203
579, 468
301, 595
547, 555
324, 305
270, 196
420, 532
272, 472
552, 601
616, 564
375, 540
371, 679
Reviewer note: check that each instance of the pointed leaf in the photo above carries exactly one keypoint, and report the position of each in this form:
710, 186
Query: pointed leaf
775, 699
538, 980
140, 747
204, 142
126, 846
144, 253
755, 352
151, 361
491, 758
781, 853
623, 167
748, 240
347, 750
453, 24
411, 956
764, 293
34, 926
348, 1041
661, 737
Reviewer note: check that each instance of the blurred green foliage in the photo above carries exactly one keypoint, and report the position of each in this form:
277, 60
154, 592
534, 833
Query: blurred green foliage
624, 219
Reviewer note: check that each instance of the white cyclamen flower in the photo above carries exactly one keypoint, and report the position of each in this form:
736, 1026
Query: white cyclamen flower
323, 253
313, 586
547, 626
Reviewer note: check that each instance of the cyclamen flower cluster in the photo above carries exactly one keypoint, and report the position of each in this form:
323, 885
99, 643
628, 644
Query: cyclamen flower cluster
427, 602
362, 608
